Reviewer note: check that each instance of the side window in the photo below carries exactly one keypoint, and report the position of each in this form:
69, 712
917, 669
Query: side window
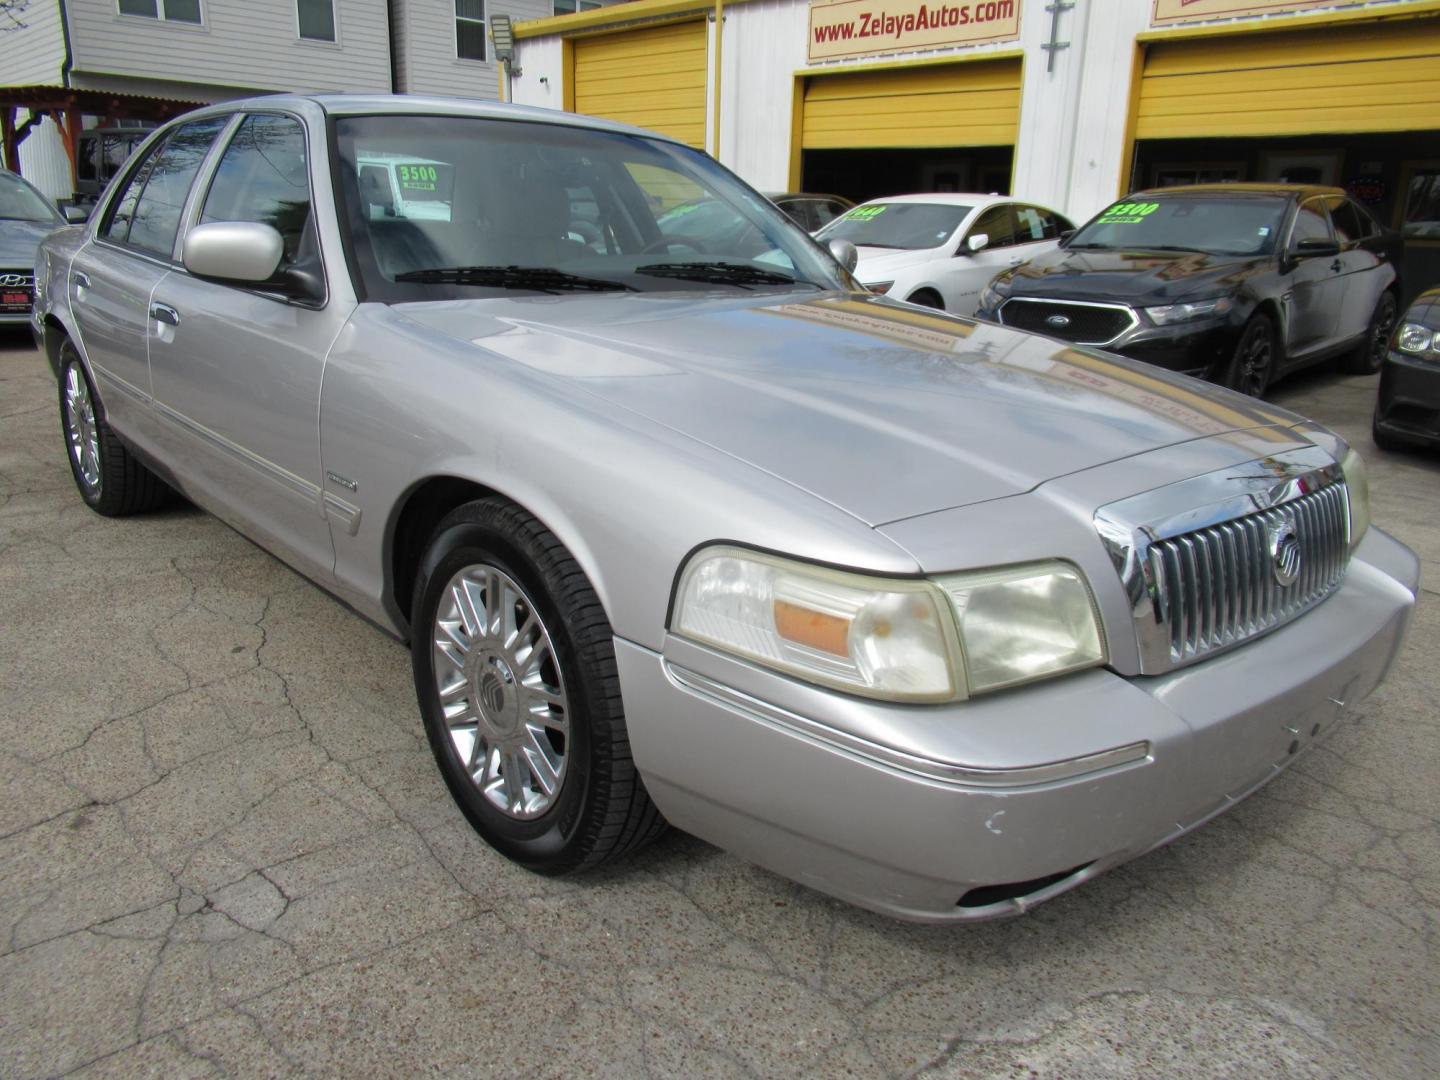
1035, 224
122, 209
156, 217
262, 177
1351, 223
998, 223
1311, 223
802, 212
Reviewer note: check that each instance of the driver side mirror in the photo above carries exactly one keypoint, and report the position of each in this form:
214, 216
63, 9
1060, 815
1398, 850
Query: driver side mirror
845, 253
977, 242
1065, 234
238, 251
76, 215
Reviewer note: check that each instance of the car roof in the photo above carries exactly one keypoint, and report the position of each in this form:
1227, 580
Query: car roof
410, 104
1283, 190
773, 195
945, 198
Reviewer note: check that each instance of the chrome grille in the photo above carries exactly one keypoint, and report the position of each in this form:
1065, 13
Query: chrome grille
1218, 586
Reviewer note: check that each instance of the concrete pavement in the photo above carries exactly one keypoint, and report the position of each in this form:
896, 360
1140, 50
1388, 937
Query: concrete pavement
225, 850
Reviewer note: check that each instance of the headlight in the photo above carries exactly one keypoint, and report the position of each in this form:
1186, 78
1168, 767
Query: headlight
892, 638
1022, 623
1417, 339
1357, 486
994, 294
880, 288
881, 637
1170, 314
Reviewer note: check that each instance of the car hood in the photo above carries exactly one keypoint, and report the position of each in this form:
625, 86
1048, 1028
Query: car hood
880, 409
880, 264
1136, 277
19, 239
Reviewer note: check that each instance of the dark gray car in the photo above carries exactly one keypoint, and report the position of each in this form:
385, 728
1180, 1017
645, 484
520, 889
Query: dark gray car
26, 216
940, 617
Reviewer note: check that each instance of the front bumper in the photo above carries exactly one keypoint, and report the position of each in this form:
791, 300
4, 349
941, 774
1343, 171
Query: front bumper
1408, 405
955, 813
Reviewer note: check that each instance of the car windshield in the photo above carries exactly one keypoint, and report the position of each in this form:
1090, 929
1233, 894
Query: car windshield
442, 207
908, 225
1214, 224
20, 202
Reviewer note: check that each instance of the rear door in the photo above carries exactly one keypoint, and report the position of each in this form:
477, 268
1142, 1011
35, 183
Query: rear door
112, 277
1362, 272
237, 369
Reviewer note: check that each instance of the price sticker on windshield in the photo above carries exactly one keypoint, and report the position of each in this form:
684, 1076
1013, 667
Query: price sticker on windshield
422, 181
1128, 213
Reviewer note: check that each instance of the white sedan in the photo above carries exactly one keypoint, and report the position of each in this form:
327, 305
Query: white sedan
941, 250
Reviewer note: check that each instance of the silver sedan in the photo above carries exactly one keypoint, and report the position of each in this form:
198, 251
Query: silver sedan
936, 616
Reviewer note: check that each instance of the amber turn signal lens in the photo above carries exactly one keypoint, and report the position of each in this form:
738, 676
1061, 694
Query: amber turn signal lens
813, 629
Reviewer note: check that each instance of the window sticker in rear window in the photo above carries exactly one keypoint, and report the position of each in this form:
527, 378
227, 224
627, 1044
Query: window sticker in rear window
1128, 213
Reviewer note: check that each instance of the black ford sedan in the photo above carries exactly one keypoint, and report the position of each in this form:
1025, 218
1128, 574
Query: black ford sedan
1236, 283
1407, 412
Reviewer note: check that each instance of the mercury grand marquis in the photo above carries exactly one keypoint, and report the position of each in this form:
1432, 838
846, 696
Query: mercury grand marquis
940, 617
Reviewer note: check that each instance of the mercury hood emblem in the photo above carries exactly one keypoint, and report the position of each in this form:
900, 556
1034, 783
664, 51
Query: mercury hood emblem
1284, 551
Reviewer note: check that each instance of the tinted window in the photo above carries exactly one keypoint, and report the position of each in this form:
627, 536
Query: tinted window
1311, 223
1037, 223
262, 177
156, 217
827, 211
908, 225
1422, 204
999, 225
122, 208
1351, 223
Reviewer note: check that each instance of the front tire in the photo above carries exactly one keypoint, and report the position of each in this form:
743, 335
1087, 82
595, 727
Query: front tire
1252, 367
515, 671
108, 476
1366, 359
926, 298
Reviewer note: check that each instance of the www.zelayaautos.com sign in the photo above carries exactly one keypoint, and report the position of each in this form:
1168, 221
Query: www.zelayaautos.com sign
865, 27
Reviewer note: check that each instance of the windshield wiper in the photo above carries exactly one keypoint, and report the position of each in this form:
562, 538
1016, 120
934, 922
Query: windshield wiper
1171, 247
720, 273
544, 279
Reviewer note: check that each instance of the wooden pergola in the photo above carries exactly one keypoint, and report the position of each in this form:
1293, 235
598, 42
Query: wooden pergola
66, 105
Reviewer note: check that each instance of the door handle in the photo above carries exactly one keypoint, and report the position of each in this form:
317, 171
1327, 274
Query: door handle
165, 313
1337, 266
81, 279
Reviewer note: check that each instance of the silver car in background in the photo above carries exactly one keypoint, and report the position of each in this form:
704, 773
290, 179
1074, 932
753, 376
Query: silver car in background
939, 617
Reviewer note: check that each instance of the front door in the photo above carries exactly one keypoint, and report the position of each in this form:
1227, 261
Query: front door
971, 270
237, 370
1315, 285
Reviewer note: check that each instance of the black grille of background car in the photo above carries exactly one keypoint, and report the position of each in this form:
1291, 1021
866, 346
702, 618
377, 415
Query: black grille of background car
1216, 586
1086, 325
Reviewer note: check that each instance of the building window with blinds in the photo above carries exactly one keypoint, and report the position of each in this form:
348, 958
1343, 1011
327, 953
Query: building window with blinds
315, 19
187, 11
470, 29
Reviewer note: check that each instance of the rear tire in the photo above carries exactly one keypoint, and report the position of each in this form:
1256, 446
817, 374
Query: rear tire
1252, 367
1368, 357
108, 476
530, 735
926, 298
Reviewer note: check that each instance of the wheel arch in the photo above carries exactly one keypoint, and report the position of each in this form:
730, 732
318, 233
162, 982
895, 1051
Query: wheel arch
428, 500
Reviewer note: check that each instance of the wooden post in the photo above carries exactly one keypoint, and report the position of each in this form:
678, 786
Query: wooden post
9, 153
68, 121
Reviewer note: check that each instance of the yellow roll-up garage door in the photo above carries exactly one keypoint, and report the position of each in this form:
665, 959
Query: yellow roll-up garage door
652, 78
944, 105
1366, 78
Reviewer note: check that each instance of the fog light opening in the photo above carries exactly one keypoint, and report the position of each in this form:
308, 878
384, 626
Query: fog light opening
985, 895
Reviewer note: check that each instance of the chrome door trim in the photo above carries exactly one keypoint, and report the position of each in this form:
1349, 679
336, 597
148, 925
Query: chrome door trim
283, 479
1126, 308
344, 514
126, 387
1129, 527
946, 772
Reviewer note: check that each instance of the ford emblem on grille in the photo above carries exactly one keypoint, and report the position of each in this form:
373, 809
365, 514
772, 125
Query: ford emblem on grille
1058, 321
1284, 552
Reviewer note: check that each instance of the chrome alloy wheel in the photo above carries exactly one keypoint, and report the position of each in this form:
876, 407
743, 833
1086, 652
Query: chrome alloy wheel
501, 691
81, 432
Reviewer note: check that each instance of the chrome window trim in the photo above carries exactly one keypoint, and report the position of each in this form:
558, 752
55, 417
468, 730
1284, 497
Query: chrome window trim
1130, 527
943, 771
1126, 308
